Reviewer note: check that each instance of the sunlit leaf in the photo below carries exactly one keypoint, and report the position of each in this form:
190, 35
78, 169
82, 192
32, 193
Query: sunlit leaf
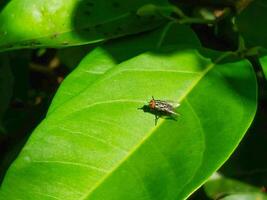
98, 145
104, 58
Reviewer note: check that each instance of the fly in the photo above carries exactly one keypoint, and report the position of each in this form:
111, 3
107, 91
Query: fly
161, 109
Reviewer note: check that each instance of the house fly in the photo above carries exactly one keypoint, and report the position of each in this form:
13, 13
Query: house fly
161, 109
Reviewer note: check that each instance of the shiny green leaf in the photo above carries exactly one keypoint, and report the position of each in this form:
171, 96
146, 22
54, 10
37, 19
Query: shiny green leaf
98, 145
57, 23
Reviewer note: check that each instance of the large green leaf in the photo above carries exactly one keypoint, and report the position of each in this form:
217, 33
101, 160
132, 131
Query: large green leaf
99, 145
252, 23
57, 23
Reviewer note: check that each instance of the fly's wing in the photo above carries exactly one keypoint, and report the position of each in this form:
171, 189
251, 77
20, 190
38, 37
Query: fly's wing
166, 107
172, 103
175, 104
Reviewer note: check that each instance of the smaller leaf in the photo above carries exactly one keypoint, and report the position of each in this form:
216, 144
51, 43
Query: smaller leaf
263, 61
154, 10
219, 186
249, 196
148, 9
59, 23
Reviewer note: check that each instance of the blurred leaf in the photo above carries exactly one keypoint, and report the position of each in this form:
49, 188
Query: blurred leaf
57, 23
219, 186
239, 5
249, 196
99, 145
6, 87
252, 23
263, 61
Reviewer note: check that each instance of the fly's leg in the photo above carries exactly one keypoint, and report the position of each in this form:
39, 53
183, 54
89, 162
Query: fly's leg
156, 119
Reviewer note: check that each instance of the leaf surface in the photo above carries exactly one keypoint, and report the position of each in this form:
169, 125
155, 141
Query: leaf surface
103, 58
99, 145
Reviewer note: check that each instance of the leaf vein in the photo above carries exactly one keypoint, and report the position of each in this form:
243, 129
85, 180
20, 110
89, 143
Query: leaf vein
93, 137
71, 163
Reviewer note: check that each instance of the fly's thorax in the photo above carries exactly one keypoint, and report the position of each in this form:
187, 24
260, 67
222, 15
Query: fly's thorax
152, 104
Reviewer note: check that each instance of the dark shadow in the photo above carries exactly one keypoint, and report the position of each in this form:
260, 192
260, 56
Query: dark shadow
249, 161
200, 194
128, 34
12, 143
96, 21
239, 79
91, 23
23, 114
3, 4
127, 47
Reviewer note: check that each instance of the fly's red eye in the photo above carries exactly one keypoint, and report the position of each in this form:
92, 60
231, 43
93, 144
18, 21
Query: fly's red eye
152, 104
